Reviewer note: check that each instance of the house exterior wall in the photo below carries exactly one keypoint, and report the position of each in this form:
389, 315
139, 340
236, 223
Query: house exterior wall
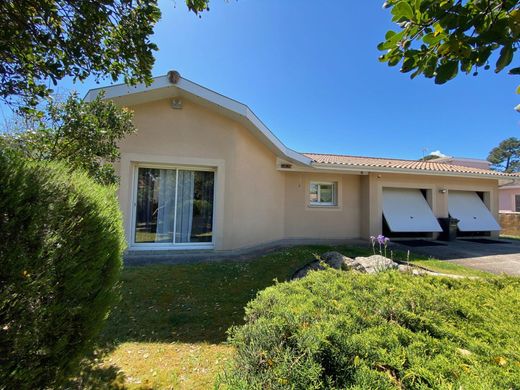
249, 200
255, 203
434, 184
480, 164
334, 222
507, 198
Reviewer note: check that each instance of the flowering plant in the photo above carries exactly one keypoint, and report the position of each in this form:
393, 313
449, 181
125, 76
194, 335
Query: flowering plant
383, 244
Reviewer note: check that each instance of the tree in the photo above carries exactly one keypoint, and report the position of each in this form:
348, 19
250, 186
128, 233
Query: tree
436, 38
43, 41
506, 156
61, 245
82, 134
429, 157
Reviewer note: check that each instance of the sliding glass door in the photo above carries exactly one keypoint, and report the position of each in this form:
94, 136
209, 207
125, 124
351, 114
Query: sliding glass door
173, 206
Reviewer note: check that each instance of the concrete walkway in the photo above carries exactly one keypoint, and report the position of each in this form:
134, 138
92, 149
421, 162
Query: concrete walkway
497, 258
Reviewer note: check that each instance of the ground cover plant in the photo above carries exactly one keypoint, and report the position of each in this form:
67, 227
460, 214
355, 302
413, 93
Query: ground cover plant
61, 245
337, 329
169, 330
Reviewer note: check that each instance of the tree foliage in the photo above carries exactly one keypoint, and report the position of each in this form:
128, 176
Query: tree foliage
43, 41
506, 156
437, 38
429, 157
84, 135
61, 246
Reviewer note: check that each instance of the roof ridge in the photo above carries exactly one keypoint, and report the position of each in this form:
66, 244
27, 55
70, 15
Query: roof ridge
375, 158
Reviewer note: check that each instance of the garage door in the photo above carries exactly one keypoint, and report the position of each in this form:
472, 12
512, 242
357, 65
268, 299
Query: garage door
406, 210
472, 213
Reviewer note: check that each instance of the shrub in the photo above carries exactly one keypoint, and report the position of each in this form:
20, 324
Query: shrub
61, 247
337, 329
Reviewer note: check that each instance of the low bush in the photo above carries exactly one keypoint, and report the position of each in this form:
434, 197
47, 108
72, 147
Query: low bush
336, 329
61, 246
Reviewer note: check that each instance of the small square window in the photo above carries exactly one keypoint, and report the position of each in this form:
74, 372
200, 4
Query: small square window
323, 194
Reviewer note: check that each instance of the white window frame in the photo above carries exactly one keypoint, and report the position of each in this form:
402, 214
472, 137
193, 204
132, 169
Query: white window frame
173, 244
319, 203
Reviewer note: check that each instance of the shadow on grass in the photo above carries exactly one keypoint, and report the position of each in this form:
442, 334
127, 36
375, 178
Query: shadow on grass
94, 375
198, 302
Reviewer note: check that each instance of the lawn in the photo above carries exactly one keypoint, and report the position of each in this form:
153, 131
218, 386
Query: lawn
169, 329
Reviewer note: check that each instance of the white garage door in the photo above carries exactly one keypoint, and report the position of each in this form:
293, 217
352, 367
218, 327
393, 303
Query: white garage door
472, 213
406, 210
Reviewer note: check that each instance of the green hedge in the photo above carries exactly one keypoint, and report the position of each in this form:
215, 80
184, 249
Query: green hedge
61, 245
337, 329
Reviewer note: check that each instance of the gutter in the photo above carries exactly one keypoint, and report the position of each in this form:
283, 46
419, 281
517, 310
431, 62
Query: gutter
512, 182
358, 168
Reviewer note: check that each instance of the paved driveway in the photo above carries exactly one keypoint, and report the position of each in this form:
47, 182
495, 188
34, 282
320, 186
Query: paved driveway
498, 258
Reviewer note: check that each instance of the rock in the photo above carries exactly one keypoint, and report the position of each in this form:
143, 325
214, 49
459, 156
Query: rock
464, 352
312, 265
412, 270
332, 259
336, 260
405, 268
373, 264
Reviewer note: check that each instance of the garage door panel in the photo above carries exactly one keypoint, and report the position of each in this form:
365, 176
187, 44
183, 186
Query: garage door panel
472, 213
406, 210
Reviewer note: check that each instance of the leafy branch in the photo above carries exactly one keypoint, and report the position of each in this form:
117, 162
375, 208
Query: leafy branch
437, 38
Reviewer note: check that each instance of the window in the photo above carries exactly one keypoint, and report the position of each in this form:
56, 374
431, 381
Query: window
517, 203
173, 206
323, 194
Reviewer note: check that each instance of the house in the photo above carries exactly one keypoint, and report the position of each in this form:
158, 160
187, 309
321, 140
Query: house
509, 198
508, 193
204, 172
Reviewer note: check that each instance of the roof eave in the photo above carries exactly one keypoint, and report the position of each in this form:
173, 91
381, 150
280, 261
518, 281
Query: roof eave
123, 92
361, 168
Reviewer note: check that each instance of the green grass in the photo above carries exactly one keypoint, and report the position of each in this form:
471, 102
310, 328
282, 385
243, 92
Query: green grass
508, 237
441, 266
170, 326
445, 267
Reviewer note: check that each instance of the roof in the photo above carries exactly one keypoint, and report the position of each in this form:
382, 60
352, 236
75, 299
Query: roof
463, 159
172, 85
377, 164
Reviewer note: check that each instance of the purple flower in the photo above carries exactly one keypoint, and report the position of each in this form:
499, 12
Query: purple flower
381, 239
387, 240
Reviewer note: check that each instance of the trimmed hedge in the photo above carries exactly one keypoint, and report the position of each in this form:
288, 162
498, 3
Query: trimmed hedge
334, 329
61, 245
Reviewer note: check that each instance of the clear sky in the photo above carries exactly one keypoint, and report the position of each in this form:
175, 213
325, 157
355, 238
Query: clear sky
309, 70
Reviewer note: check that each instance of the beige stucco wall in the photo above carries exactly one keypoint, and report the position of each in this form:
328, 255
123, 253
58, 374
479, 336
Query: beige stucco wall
434, 185
507, 198
256, 203
250, 192
335, 222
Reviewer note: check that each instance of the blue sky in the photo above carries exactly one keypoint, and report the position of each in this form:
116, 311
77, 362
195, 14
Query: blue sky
311, 73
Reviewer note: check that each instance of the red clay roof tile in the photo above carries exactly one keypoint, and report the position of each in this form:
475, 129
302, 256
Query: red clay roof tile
376, 162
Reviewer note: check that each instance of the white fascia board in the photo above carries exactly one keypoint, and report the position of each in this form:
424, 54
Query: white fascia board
123, 90
339, 167
289, 153
120, 90
515, 184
